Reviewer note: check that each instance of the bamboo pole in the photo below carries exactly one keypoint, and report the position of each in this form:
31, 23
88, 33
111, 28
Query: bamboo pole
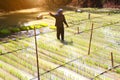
89, 15
112, 59
90, 39
78, 30
38, 74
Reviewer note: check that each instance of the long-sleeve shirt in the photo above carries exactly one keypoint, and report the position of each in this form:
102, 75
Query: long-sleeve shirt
60, 20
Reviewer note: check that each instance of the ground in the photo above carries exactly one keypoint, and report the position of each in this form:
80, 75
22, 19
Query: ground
18, 59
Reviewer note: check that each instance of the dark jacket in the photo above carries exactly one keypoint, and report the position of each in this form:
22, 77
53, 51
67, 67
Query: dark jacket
60, 20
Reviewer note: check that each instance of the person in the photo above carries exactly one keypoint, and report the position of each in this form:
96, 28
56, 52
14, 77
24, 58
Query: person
60, 21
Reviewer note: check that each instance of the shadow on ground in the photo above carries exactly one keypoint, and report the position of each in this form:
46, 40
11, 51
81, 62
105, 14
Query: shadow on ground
67, 42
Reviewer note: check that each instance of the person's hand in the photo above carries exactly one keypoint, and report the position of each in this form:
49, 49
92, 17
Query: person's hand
50, 13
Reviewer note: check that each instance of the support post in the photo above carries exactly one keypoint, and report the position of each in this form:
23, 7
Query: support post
38, 74
89, 15
112, 59
78, 30
108, 13
90, 39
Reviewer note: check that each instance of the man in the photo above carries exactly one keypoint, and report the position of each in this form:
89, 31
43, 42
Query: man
60, 20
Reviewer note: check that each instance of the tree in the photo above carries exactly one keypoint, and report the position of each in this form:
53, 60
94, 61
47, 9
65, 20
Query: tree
55, 3
90, 3
112, 3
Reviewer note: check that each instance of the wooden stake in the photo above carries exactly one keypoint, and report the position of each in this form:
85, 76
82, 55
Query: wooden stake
112, 60
89, 15
90, 39
36, 54
108, 13
78, 30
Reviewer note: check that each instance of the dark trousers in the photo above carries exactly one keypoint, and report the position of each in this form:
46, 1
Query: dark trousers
60, 33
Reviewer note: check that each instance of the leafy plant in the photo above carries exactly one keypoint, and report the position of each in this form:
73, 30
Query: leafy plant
23, 28
43, 24
5, 31
31, 27
53, 27
118, 70
0, 51
38, 26
15, 30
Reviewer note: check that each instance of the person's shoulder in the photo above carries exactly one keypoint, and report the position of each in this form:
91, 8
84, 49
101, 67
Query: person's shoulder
56, 14
62, 14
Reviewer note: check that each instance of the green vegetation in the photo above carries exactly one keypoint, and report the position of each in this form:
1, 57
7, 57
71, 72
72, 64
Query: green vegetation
14, 30
53, 27
4, 31
118, 70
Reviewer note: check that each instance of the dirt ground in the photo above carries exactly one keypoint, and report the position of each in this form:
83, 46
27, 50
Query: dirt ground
19, 17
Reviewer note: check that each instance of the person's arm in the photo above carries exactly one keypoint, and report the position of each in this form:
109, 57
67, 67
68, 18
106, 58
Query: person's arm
51, 14
65, 21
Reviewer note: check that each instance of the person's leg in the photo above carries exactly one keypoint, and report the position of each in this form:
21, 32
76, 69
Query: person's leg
62, 34
58, 34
